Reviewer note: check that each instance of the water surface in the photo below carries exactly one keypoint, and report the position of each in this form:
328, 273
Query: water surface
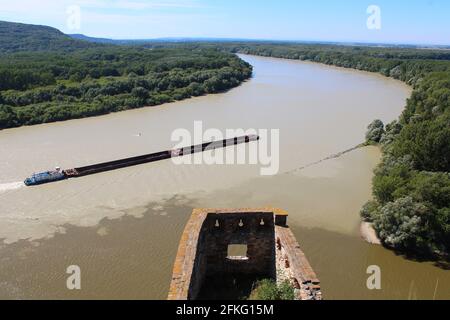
122, 228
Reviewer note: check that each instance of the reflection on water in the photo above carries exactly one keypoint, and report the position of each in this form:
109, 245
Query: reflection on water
123, 227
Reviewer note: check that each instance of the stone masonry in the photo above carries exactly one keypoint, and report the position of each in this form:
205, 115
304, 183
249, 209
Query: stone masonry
272, 251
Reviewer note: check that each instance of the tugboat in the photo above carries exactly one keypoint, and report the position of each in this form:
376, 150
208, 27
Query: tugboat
45, 177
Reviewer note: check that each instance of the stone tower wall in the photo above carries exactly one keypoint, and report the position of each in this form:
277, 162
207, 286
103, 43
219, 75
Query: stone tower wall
272, 251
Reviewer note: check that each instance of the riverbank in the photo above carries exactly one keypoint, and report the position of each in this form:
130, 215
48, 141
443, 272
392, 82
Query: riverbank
369, 234
416, 145
150, 78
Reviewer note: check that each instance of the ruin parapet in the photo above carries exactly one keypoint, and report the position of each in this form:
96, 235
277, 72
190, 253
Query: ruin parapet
272, 251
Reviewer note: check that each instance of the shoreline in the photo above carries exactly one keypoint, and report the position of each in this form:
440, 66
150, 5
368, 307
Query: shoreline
239, 55
368, 233
332, 66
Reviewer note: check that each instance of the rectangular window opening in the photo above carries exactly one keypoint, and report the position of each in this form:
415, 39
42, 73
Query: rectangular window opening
237, 252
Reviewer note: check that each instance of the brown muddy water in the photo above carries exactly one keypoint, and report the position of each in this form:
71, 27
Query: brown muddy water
122, 228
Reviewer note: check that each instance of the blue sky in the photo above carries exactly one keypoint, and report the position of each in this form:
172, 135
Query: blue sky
402, 21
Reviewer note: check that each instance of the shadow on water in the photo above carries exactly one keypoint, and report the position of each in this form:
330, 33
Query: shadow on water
126, 258
341, 263
442, 262
132, 258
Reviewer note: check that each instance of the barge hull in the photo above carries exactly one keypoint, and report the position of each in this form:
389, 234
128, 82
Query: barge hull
154, 157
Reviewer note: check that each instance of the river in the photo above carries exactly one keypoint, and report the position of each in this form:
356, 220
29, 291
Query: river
123, 227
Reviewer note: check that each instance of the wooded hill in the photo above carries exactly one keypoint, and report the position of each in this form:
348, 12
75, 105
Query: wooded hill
16, 37
46, 76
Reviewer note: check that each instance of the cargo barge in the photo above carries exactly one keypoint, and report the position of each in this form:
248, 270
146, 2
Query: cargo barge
58, 174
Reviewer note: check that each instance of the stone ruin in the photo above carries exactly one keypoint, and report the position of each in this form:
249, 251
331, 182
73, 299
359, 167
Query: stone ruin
270, 251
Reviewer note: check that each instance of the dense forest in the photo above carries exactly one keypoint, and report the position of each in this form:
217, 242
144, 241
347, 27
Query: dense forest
70, 81
411, 187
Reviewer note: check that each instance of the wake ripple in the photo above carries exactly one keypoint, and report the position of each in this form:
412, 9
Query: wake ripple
5, 187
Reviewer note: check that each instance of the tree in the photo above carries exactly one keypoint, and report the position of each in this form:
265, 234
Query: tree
400, 224
369, 210
427, 142
375, 132
268, 290
140, 93
7, 117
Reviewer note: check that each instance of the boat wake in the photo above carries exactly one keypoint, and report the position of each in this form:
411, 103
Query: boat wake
5, 187
333, 156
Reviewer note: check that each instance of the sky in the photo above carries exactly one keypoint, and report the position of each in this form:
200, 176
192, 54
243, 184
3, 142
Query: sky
386, 21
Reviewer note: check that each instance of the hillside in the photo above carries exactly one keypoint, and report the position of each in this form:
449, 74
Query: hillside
17, 37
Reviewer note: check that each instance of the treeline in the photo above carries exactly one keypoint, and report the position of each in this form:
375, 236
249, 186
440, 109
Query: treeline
411, 187
408, 65
52, 86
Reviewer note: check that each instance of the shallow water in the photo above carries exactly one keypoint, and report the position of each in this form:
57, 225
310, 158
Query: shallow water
122, 228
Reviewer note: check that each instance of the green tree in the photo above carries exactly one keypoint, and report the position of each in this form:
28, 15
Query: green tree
400, 224
7, 117
268, 289
375, 132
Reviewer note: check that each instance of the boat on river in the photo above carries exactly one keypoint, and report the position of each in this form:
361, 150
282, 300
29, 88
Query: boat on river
58, 174
45, 177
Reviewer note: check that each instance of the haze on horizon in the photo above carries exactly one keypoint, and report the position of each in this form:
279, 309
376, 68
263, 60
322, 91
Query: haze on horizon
402, 22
